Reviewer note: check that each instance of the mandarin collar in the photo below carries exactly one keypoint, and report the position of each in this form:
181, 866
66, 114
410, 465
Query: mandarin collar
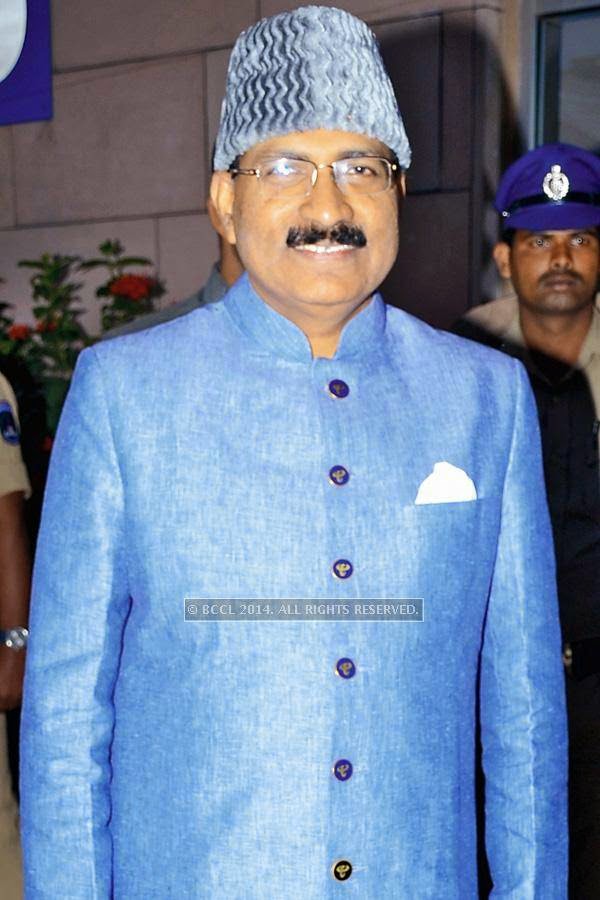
279, 336
215, 288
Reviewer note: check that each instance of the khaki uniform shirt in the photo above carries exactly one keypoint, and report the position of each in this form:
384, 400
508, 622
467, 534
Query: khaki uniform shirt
13, 475
501, 318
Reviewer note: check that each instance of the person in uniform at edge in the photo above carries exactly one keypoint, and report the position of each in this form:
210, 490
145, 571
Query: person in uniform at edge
223, 274
309, 444
549, 201
14, 606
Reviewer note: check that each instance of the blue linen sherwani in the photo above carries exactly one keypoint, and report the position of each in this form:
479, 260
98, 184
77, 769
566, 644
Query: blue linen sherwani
171, 759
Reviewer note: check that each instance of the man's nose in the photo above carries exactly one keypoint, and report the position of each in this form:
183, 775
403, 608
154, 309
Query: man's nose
561, 255
326, 204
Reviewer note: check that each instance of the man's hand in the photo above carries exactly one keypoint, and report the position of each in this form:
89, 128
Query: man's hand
14, 593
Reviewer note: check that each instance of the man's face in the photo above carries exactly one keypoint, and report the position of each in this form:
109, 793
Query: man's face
311, 253
553, 272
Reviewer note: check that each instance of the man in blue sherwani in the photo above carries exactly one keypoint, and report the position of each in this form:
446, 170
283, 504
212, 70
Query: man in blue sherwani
299, 441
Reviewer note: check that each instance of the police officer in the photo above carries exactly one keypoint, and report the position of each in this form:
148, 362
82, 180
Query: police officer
549, 202
14, 601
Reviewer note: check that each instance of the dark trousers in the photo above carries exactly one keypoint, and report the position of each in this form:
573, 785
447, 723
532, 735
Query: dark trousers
583, 706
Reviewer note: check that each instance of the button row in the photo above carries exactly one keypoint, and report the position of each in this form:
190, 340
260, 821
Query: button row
342, 769
345, 668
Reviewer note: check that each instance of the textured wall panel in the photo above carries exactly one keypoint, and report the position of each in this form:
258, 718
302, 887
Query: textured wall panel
216, 75
126, 140
88, 32
372, 12
7, 210
457, 100
188, 248
411, 51
431, 275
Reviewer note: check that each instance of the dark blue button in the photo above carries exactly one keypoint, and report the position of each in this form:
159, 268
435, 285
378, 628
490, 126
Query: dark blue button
341, 869
342, 569
342, 769
338, 475
345, 667
338, 388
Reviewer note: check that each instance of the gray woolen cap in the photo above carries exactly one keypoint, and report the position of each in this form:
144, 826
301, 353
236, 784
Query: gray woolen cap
315, 67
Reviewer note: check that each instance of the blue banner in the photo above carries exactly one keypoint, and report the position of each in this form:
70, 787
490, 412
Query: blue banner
25, 61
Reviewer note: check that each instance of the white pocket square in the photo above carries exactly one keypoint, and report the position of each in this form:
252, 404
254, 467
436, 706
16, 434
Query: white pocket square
446, 484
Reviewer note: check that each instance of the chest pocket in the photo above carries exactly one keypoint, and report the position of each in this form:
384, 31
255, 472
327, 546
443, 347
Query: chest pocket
448, 551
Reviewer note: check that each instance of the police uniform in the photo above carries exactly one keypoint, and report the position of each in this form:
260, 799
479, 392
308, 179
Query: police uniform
557, 187
13, 477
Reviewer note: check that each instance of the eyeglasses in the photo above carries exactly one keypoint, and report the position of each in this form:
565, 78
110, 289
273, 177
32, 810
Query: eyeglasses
297, 177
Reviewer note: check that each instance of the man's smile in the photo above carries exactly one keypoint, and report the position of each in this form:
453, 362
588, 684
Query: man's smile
325, 249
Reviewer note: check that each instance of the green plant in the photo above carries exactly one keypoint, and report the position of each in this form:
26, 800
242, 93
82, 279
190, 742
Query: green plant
129, 294
50, 349
5, 323
58, 335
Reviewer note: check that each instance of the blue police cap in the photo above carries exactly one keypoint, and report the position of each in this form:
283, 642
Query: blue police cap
552, 188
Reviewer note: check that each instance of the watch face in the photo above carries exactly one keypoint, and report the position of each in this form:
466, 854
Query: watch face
16, 638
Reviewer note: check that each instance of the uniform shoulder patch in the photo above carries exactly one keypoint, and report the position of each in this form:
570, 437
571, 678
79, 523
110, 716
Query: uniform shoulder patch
8, 425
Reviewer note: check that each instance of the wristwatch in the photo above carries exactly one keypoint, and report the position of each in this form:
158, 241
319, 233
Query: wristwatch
15, 638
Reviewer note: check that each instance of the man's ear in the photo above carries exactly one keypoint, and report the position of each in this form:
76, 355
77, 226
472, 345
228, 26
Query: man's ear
221, 199
501, 254
402, 185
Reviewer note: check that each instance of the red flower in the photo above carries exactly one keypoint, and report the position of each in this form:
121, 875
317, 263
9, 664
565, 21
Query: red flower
18, 332
136, 287
46, 325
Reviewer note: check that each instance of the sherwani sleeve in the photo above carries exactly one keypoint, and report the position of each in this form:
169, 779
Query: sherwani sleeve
523, 726
79, 606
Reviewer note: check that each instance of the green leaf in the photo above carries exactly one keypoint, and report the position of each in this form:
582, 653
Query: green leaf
111, 248
93, 263
135, 261
31, 264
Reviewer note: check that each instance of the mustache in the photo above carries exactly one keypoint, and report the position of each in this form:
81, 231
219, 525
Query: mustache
560, 273
341, 233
